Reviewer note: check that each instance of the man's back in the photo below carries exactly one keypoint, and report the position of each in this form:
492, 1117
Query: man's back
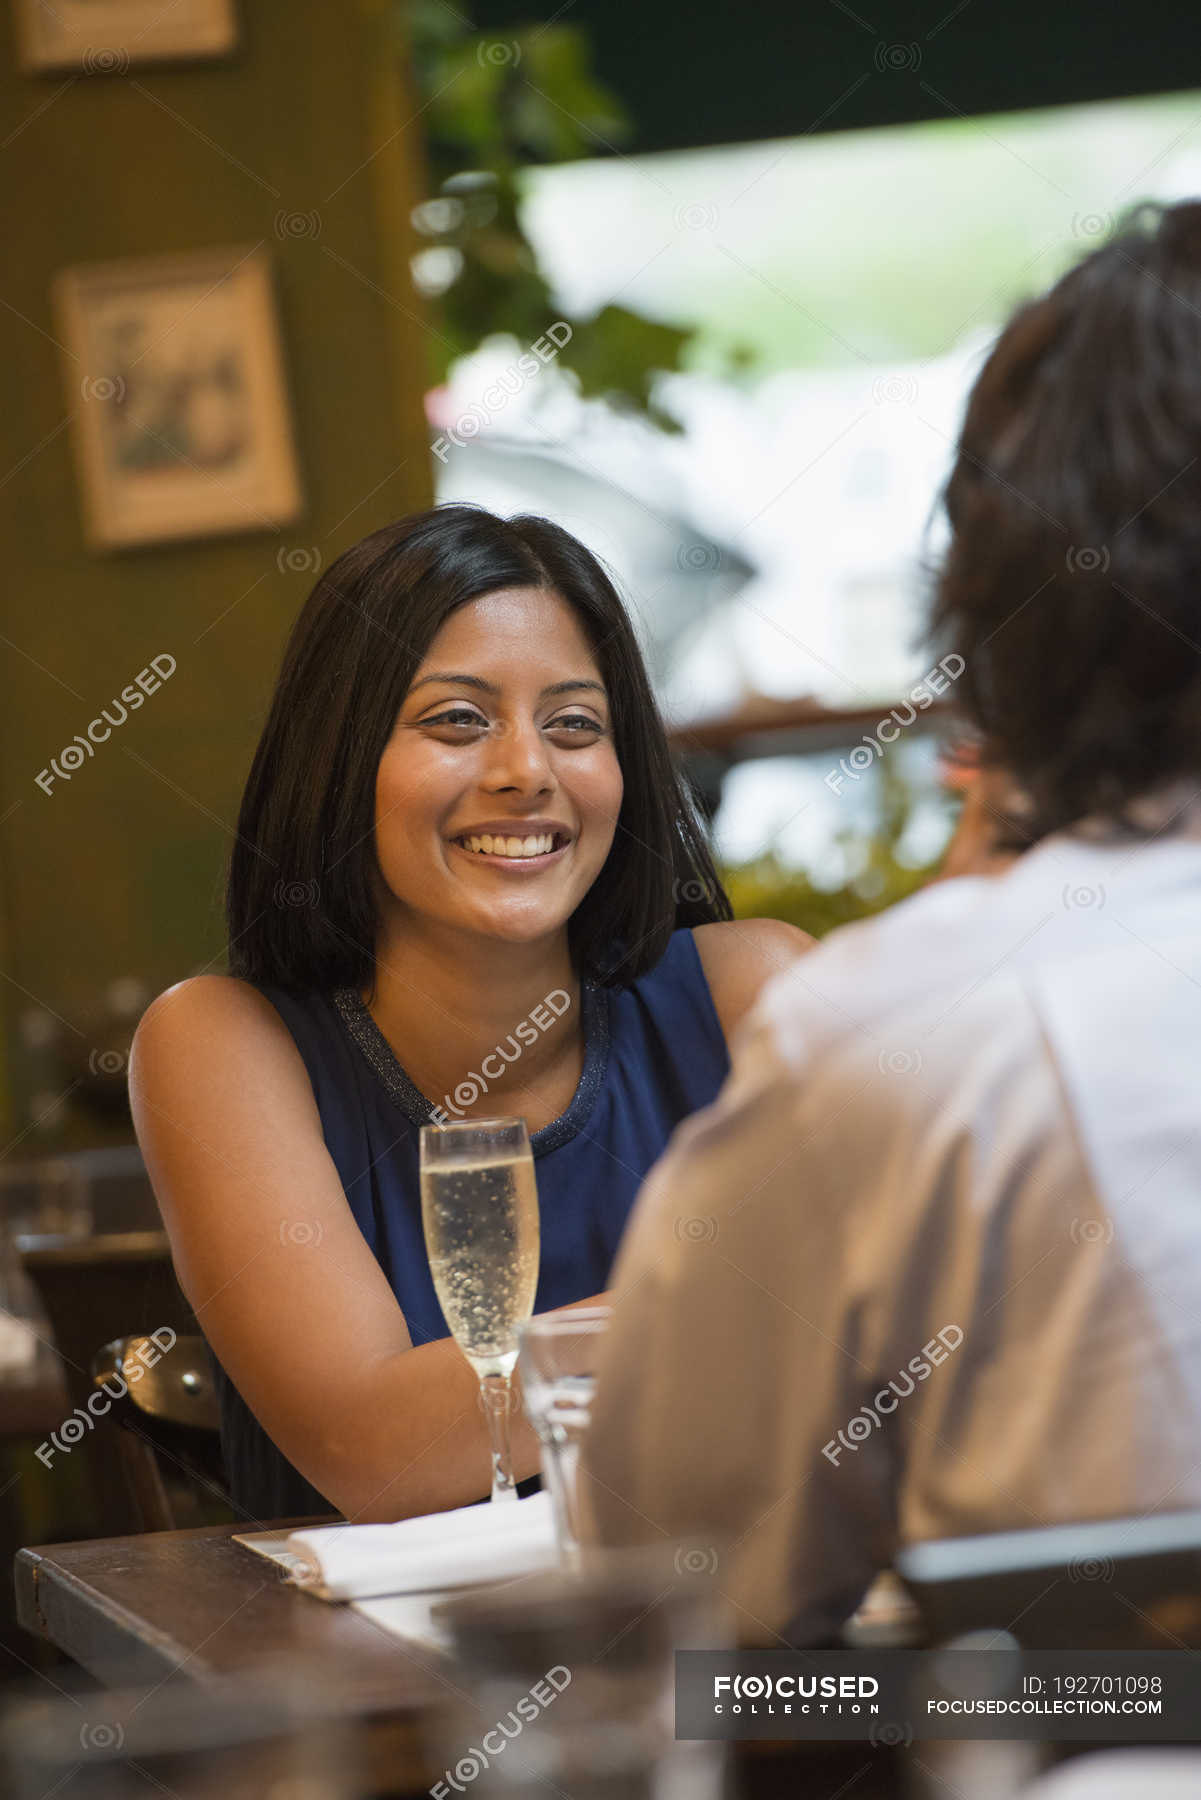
932, 1264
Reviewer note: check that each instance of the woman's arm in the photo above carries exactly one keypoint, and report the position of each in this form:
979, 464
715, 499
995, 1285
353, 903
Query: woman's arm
282, 1281
739, 955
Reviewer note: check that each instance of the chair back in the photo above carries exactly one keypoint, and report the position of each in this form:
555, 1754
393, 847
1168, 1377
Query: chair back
93, 1291
175, 1388
160, 1391
1120, 1584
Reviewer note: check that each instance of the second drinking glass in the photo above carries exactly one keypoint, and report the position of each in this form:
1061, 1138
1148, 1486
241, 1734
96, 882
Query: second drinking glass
560, 1352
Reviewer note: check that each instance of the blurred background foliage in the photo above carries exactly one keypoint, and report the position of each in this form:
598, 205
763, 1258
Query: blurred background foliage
494, 104
879, 877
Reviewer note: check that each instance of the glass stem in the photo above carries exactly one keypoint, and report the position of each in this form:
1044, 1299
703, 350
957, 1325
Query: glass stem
496, 1396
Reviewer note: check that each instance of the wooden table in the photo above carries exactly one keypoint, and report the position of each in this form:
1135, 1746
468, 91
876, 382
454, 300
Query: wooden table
195, 1605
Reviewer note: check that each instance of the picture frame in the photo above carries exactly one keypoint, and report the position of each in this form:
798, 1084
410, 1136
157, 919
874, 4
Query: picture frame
175, 379
106, 37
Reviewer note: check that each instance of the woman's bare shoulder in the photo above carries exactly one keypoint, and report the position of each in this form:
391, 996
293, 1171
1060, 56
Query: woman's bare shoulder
204, 1001
223, 1106
739, 955
213, 1023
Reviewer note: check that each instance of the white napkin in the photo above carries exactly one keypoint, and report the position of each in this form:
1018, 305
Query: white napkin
440, 1550
409, 1617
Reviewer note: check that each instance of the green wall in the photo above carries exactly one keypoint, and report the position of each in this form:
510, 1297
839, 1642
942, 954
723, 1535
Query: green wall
118, 873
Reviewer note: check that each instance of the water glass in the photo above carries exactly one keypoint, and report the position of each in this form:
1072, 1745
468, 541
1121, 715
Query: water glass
565, 1681
557, 1362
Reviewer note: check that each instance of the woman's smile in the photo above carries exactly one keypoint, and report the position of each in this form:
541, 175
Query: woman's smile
514, 858
515, 844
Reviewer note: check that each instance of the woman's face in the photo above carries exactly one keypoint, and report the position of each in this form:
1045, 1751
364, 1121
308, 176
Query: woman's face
498, 792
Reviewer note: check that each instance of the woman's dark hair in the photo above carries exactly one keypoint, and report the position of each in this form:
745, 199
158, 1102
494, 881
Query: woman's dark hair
299, 901
1072, 584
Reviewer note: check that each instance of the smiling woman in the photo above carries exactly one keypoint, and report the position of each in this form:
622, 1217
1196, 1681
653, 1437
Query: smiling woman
499, 790
466, 881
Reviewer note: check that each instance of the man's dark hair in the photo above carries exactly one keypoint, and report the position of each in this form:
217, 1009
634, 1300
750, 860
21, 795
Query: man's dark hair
1072, 584
299, 901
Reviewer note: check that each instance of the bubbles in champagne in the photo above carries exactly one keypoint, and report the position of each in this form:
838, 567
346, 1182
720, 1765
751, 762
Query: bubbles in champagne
481, 1231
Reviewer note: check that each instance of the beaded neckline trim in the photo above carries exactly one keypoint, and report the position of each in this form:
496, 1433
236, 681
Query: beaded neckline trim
387, 1069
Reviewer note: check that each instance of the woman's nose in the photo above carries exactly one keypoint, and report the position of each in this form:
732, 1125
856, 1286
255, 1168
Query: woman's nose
517, 756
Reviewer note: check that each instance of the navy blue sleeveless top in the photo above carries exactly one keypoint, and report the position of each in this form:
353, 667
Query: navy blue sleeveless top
653, 1053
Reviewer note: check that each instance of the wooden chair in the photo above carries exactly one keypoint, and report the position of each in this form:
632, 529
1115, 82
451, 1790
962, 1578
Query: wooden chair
94, 1291
164, 1405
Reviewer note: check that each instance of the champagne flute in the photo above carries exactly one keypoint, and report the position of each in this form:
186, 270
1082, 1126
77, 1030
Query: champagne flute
479, 1207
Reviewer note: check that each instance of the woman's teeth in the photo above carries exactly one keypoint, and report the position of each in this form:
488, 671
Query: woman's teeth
499, 846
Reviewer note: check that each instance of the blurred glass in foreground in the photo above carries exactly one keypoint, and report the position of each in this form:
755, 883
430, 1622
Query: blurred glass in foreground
275, 1734
570, 1682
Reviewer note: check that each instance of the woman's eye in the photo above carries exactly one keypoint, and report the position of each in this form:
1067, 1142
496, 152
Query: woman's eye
576, 723
458, 716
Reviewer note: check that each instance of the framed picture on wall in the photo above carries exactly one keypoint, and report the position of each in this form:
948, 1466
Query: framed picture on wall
104, 37
176, 384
